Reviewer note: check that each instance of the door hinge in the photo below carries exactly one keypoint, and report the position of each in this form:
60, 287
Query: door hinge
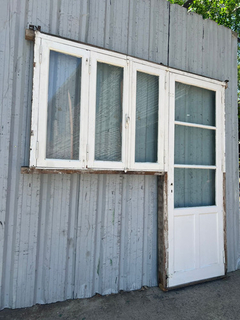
37, 149
89, 66
87, 153
40, 52
127, 120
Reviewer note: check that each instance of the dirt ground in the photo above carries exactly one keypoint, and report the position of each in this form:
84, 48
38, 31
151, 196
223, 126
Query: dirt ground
218, 300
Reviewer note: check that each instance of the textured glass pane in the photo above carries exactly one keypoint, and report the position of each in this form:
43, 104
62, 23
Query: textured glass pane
108, 134
63, 122
146, 118
194, 187
194, 146
195, 105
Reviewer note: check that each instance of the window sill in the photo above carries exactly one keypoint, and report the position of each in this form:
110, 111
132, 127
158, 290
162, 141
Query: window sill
31, 170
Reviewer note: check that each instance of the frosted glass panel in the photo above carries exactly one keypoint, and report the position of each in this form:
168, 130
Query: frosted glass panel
146, 118
108, 134
194, 187
194, 105
194, 146
63, 123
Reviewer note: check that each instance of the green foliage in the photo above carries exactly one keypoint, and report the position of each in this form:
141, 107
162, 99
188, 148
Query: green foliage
224, 12
180, 2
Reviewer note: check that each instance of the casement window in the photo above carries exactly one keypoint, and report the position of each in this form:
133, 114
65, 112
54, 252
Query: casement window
95, 109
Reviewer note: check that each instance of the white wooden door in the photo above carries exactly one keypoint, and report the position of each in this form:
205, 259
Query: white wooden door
196, 166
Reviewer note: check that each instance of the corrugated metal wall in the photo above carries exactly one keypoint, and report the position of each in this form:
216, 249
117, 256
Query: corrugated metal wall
74, 235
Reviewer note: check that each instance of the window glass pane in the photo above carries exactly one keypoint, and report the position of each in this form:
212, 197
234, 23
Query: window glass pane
146, 118
194, 187
194, 146
108, 130
194, 105
63, 123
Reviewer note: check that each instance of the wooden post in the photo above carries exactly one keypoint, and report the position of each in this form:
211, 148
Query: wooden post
162, 231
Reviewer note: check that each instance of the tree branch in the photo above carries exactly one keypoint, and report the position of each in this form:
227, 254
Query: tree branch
188, 3
236, 9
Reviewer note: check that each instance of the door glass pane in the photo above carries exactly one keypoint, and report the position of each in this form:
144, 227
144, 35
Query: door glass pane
194, 146
63, 122
108, 128
194, 187
146, 118
194, 105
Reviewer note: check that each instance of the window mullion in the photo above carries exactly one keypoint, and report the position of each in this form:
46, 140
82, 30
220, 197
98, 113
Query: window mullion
195, 125
127, 115
84, 117
132, 113
92, 76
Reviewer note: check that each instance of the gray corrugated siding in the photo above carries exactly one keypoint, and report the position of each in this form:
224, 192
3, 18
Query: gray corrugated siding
75, 235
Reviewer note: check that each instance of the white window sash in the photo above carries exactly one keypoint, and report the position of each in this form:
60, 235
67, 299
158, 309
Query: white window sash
42, 49
151, 70
116, 61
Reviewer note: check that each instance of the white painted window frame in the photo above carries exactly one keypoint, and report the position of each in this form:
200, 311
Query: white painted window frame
151, 69
219, 128
42, 48
122, 62
90, 55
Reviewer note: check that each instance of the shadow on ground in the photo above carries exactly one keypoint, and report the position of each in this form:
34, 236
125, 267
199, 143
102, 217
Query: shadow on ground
218, 300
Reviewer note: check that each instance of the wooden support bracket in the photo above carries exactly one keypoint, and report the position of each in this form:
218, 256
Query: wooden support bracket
29, 34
